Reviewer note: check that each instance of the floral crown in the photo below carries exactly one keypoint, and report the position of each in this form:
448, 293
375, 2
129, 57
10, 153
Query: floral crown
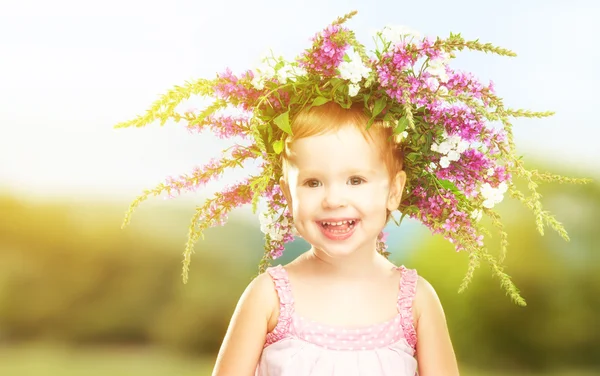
459, 166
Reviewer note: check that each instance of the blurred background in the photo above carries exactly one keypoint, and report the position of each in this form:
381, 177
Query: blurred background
80, 296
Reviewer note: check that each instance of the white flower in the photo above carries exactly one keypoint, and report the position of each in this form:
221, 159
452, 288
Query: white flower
400, 136
258, 82
353, 90
452, 146
275, 67
444, 147
276, 236
503, 187
261, 74
299, 71
490, 171
486, 190
489, 203
476, 215
396, 34
289, 72
462, 146
453, 155
267, 225
353, 70
454, 140
493, 196
444, 162
438, 71
437, 67
284, 73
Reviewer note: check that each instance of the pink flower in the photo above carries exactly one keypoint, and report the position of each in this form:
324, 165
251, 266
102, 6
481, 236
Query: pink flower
200, 176
326, 53
457, 119
238, 91
224, 126
440, 212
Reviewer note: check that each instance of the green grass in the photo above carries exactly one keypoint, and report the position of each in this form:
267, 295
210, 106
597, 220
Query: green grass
43, 360
51, 360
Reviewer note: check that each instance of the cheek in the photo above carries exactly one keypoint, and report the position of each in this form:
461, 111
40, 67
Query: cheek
376, 192
304, 201
374, 201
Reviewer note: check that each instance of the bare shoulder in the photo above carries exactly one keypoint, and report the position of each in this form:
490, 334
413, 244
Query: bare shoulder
248, 328
263, 293
435, 353
260, 293
426, 298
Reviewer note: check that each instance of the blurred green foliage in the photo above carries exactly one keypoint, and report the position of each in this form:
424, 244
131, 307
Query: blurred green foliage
559, 280
69, 274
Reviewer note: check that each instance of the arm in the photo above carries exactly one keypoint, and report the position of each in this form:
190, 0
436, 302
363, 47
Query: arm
435, 355
245, 338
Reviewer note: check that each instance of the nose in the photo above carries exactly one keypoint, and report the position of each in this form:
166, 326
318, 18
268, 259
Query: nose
334, 197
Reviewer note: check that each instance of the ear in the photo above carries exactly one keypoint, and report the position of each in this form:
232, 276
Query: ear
285, 189
396, 188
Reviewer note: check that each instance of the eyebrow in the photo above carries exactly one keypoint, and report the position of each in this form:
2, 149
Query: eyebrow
346, 172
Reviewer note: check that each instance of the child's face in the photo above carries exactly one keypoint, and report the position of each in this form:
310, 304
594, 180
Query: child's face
340, 177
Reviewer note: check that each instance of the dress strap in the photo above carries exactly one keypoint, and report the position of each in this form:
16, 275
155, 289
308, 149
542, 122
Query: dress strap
286, 304
408, 289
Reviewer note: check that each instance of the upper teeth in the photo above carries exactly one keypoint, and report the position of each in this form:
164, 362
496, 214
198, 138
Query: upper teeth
338, 223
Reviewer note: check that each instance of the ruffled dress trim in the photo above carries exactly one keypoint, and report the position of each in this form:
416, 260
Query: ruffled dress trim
408, 290
362, 338
286, 304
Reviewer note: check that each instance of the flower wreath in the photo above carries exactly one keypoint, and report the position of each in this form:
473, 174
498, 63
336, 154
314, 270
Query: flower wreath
459, 166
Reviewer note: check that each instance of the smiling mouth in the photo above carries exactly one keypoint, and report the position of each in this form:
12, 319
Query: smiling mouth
341, 226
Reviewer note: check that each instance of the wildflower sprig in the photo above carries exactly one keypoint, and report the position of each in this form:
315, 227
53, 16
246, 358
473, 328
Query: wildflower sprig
459, 166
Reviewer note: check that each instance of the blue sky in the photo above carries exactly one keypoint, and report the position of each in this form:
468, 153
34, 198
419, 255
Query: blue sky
72, 69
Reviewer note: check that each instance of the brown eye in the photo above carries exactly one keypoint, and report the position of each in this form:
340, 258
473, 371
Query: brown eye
312, 183
355, 180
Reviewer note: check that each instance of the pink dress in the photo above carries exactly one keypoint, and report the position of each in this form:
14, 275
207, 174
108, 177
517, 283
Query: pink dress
301, 347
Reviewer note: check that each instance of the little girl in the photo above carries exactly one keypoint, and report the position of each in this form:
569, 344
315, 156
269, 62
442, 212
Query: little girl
341, 308
343, 141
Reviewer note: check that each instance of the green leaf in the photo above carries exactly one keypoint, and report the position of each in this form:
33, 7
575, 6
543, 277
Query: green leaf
412, 156
346, 102
379, 106
320, 101
269, 134
283, 122
366, 99
347, 58
447, 184
370, 122
402, 124
278, 146
335, 81
279, 65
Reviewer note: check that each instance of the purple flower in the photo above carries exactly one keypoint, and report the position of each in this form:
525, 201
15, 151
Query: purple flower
326, 53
